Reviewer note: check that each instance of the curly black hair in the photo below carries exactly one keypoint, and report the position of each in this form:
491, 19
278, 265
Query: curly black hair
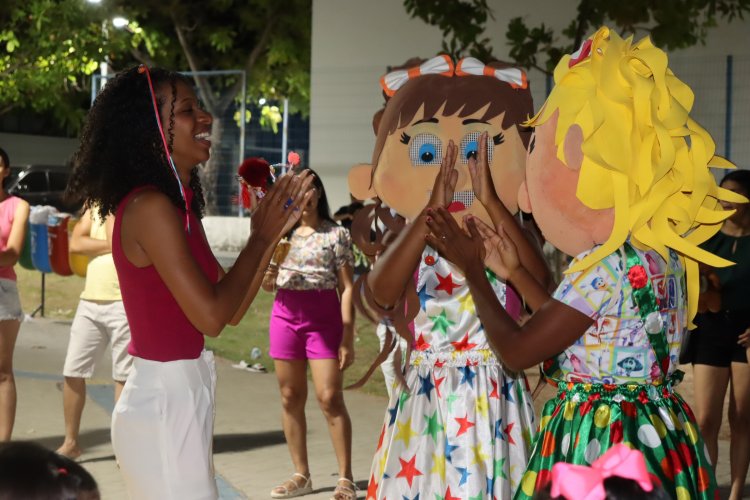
121, 148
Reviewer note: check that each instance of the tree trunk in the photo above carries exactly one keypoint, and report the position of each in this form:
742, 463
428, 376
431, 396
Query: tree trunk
212, 168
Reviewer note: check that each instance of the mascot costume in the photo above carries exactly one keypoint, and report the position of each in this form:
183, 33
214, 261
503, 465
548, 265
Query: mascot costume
458, 425
617, 177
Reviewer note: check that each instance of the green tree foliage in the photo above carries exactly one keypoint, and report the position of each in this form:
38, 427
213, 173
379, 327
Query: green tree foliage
50, 48
672, 24
462, 23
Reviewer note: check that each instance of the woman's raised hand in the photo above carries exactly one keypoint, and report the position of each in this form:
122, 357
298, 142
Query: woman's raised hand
282, 206
445, 182
501, 254
481, 178
452, 242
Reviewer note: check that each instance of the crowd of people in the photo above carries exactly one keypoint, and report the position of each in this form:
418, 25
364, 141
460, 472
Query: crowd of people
460, 288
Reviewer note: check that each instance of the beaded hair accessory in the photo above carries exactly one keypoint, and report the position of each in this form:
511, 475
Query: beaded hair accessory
143, 69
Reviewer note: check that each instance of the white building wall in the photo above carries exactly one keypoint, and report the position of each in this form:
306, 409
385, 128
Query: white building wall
353, 41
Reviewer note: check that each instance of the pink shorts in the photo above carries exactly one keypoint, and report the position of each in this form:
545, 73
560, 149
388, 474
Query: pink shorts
306, 324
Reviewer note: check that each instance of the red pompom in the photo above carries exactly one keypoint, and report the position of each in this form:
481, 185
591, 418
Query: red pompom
293, 158
255, 172
637, 276
246, 197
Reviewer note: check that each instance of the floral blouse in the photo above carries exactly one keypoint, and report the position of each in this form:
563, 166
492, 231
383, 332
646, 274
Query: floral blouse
314, 260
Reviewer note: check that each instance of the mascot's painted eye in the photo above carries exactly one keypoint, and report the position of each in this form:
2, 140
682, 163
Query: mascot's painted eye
425, 149
470, 146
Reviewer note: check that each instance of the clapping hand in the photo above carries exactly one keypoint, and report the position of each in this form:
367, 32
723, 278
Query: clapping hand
281, 207
481, 178
445, 182
501, 254
459, 247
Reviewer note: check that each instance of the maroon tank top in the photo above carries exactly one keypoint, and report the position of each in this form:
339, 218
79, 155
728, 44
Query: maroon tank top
159, 330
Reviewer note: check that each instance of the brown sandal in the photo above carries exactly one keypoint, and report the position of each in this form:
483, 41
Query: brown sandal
293, 487
345, 490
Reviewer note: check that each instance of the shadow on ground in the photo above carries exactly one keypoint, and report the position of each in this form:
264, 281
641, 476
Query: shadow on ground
229, 443
87, 439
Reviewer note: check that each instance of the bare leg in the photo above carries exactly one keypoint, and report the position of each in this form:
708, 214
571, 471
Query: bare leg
74, 399
739, 425
292, 377
8, 335
328, 388
710, 384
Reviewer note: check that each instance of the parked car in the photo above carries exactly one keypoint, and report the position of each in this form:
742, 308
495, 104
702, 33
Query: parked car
41, 185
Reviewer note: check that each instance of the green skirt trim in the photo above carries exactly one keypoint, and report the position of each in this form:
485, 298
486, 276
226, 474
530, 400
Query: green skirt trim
585, 420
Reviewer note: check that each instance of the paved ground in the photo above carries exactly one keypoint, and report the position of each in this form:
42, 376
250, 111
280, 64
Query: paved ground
250, 452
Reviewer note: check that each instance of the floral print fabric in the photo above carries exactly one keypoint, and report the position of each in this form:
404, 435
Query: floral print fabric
313, 261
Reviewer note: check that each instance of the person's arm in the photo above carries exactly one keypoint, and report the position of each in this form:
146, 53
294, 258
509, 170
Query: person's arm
394, 269
12, 252
156, 229
553, 327
501, 255
484, 188
251, 292
346, 288
82, 242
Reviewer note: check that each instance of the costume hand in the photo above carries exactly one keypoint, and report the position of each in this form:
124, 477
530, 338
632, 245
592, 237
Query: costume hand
452, 242
744, 339
281, 207
346, 355
501, 253
445, 182
481, 178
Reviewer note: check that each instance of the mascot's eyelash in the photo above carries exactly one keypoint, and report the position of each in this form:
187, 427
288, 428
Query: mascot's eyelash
405, 138
498, 139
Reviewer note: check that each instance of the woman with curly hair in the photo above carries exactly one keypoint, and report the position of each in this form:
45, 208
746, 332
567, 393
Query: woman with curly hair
143, 139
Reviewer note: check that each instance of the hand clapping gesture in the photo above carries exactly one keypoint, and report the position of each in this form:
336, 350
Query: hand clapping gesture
281, 208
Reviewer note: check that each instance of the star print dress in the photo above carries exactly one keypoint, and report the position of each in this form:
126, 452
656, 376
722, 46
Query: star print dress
615, 383
463, 428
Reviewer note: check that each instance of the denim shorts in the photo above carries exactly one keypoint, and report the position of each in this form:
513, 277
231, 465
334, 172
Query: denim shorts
10, 302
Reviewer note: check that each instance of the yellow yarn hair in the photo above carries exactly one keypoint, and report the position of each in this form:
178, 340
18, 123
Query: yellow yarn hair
642, 153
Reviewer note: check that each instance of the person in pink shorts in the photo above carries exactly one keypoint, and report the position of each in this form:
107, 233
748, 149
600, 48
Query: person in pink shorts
14, 216
312, 322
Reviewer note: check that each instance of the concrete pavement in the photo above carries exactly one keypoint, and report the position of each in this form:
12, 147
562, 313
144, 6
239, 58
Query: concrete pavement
250, 452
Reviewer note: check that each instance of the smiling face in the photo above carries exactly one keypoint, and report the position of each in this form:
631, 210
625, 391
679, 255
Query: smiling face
186, 125
411, 157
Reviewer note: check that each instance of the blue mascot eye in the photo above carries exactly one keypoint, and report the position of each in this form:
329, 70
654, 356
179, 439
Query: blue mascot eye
425, 149
470, 149
427, 153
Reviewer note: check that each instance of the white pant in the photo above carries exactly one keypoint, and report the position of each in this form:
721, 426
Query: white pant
162, 429
388, 366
